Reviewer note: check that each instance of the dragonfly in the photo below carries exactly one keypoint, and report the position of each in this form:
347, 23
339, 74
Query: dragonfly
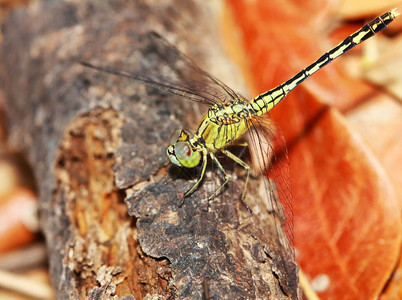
230, 115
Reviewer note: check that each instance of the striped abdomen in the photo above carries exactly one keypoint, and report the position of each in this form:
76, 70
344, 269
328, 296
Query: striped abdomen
266, 101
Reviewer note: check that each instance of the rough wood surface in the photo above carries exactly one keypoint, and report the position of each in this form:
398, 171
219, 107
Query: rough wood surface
110, 203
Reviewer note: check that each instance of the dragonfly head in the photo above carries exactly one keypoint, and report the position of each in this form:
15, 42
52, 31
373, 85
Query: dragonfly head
180, 151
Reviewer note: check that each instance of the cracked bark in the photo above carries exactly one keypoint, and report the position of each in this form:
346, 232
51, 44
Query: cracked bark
109, 201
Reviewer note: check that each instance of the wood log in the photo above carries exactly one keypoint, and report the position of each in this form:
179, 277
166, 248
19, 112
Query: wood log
110, 203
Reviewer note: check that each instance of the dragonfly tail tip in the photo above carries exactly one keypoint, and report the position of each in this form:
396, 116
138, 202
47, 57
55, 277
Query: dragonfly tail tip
395, 13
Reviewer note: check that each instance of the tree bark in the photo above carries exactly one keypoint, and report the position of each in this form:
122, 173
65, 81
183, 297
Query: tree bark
110, 203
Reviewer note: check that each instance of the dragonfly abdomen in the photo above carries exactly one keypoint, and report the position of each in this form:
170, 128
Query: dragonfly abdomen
266, 101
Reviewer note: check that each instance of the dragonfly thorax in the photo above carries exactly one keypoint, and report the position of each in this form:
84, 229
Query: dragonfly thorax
229, 113
181, 152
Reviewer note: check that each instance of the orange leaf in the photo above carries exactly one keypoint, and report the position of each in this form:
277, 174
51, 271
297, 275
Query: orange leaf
16, 212
347, 219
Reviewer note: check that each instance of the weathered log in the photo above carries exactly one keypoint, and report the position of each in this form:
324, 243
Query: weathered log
110, 204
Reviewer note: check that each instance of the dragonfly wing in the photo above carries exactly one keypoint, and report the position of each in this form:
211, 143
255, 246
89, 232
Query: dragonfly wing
159, 82
269, 156
174, 73
170, 54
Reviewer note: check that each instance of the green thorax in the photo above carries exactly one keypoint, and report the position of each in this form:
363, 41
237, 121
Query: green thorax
223, 123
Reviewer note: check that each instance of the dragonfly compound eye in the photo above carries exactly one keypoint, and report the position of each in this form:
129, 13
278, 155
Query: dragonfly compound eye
174, 137
180, 135
185, 155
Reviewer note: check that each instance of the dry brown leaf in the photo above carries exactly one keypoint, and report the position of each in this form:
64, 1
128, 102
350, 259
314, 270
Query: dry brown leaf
347, 218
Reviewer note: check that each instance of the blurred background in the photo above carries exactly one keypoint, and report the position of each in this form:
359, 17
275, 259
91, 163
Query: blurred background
345, 163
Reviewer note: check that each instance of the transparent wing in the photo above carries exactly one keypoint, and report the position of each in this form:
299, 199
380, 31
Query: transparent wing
269, 156
209, 84
165, 84
175, 73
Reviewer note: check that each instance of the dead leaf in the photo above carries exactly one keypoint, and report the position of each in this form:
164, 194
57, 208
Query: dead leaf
347, 218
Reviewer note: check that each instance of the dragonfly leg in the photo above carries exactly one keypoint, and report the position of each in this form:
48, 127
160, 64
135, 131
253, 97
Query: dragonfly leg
216, 161
204, 165
243, 164
240, 144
